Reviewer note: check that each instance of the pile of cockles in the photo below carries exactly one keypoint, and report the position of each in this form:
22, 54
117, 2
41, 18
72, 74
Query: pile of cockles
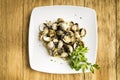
61, 37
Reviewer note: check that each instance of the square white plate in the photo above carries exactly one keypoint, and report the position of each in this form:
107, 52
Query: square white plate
40, 59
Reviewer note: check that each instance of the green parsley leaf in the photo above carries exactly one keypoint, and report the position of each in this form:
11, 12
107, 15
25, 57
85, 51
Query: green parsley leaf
79, 61
92, 69
96, 66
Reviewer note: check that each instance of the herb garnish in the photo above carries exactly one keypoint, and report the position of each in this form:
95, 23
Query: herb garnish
79, 61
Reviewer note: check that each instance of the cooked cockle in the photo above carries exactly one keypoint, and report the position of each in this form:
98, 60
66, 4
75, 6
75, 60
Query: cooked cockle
64, 54
64, 26
77, 35
55, 40
71, 33
60, 50
45, 30
59, 32
55, 52
75, 27
51, 33
82, 32
70, 48
66, 39
51, 45
41, 27
54, 26
48, 24
71, 23
72, 39
60, 44
41, 36
81, 43
77, 43
61, 37
46, 38
60, 20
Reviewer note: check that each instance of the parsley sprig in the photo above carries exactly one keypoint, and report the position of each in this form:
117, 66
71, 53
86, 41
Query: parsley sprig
79, 61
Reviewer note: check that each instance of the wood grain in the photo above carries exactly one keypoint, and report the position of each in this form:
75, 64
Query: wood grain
14, 25
70, 2
30, 74
106, 58
3, 34
118, 39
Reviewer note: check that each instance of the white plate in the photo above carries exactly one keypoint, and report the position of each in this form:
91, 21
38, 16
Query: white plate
40, 59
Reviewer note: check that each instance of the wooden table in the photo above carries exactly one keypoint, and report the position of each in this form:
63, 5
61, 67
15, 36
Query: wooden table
14, 24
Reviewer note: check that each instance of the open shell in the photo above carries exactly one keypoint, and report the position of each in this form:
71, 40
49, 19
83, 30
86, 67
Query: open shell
47, 39
66, 39
60, 44
51, 45
82, 32
70, 48
41, 27
64, 54
54, 26
75, 27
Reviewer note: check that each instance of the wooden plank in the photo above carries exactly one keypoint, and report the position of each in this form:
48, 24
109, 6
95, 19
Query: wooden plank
3, 34
106, 58
14, 23
72, 76
30, 74
118, 39
69, 2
